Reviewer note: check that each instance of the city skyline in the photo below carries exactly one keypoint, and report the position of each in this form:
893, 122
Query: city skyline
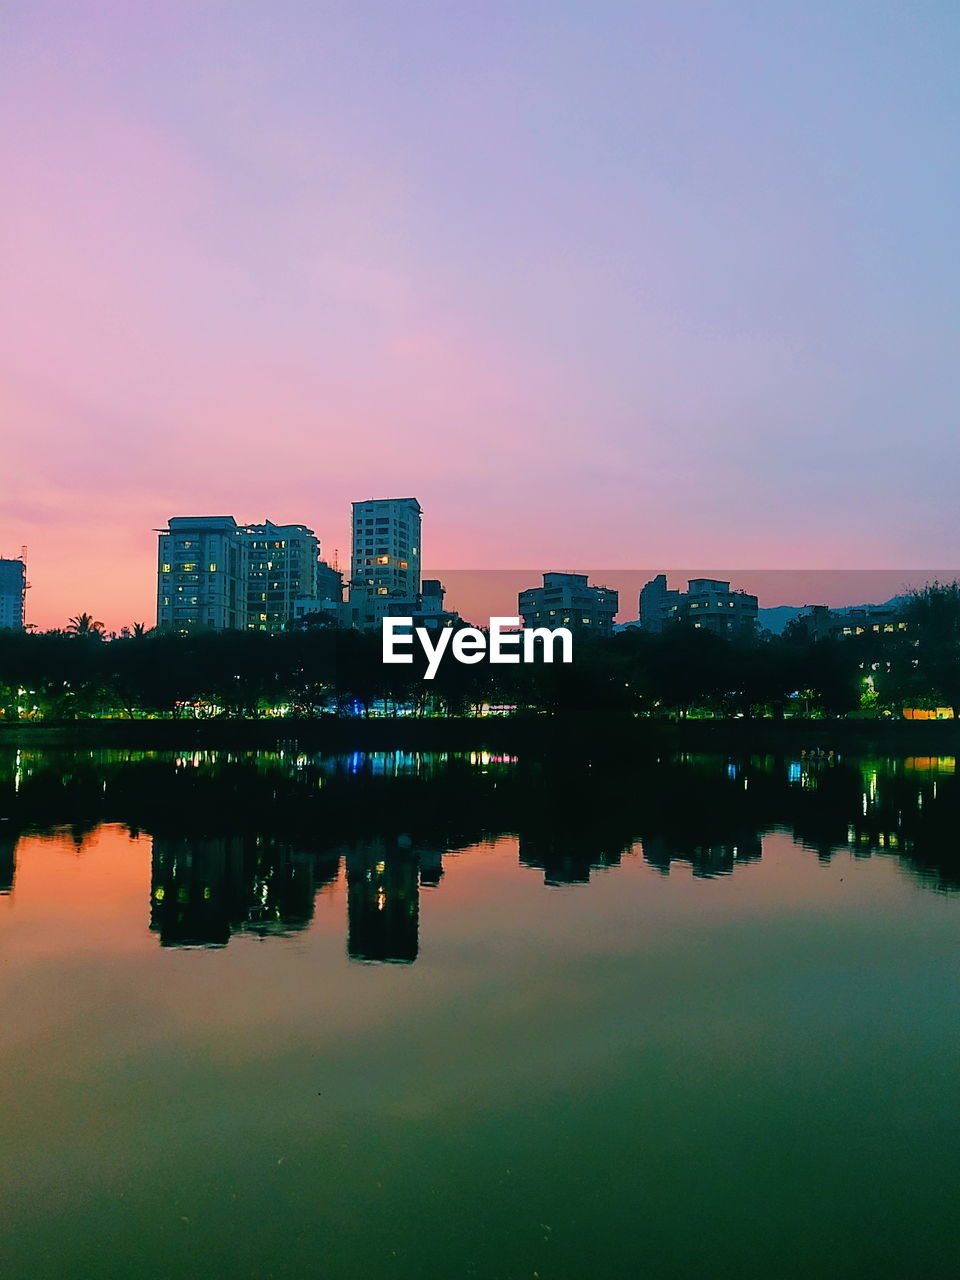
602, 286
479, 684
478, 594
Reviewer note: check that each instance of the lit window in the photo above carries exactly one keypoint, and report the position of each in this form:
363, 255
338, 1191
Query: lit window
213, 566
383, 559
382, 591
189, 568
403, 564
164, 568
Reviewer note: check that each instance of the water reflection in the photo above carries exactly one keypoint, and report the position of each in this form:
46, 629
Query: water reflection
8, 848
204, 889
383, 903
244, 842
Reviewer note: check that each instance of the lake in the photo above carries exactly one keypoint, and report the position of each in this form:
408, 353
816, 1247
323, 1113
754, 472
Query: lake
390, 1015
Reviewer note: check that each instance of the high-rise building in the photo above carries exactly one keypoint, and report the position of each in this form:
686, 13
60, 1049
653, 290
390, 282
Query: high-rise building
566, 600
201, 574
216, 574
13, 590
282, 567
385, 559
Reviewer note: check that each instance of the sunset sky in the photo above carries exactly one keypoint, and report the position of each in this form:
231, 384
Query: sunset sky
602, 284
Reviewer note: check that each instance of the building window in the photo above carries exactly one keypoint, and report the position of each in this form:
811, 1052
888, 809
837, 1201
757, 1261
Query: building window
213, 566
382, 591
383, 559
165, 568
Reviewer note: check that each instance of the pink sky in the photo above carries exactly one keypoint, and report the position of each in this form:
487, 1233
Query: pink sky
598, 286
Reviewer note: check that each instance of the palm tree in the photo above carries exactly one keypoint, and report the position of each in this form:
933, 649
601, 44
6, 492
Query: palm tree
84, 624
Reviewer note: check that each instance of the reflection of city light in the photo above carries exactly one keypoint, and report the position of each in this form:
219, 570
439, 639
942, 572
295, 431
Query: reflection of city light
381, 867
381, 900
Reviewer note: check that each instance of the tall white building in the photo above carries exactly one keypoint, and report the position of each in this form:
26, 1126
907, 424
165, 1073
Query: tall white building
385, 557
13, 589
201, 574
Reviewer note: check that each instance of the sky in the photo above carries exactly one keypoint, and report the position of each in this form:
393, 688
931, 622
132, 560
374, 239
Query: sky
600, 283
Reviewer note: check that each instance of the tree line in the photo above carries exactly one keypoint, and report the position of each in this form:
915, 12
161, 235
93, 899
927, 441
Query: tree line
81, 672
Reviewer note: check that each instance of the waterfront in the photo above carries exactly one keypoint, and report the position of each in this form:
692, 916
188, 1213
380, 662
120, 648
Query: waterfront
469, 1014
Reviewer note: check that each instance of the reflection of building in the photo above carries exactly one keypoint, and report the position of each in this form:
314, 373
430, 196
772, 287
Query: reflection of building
708, 604
383, 904
566, 600
431, 867
385, 559
566, 857
280, 887
194, 889
205, 889
705, 860
8, 862
13, 589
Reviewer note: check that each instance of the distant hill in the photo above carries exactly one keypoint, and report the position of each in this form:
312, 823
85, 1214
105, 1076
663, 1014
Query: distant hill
776, 619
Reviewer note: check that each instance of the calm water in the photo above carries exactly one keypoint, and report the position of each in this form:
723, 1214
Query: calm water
400, 1016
